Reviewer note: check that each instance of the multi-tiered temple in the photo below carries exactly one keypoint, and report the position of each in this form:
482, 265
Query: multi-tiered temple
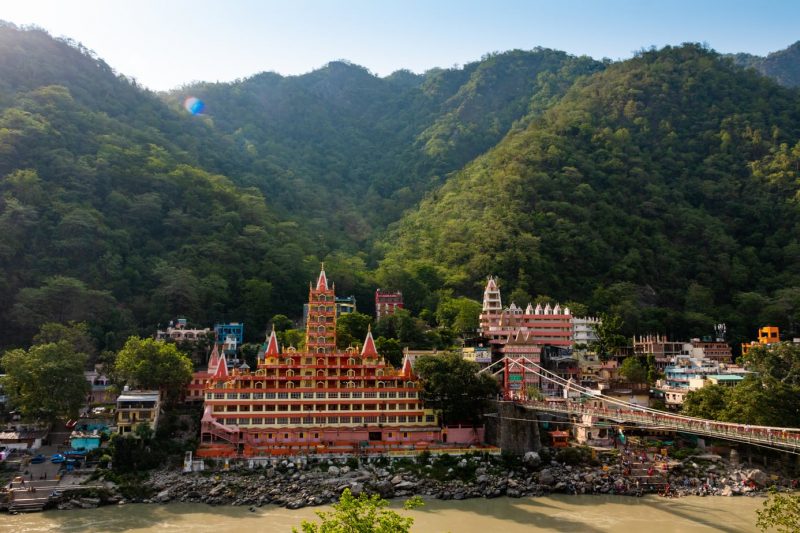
318, 400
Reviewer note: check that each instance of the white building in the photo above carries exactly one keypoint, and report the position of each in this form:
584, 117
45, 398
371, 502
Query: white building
583, 330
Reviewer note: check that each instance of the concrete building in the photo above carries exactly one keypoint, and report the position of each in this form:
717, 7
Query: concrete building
229, 333
102, 390
137, 407
179, 331
583, 331
766, 335
522, 333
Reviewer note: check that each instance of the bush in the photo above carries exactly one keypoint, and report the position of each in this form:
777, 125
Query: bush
574, 455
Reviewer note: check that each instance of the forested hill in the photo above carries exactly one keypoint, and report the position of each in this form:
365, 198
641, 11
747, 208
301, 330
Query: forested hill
664, 188
344, 152
121, 208
109, 212
783, 66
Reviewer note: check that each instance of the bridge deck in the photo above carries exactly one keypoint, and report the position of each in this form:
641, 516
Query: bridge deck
784, 438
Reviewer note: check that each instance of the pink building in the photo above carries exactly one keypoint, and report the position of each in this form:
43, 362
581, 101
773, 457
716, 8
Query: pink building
516, 332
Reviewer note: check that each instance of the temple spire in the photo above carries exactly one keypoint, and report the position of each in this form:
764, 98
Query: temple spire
272, 344
213, 359
222, 368
369, 349
322, 281
407, 370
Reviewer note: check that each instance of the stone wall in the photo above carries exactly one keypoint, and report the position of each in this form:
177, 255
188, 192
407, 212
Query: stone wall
513, 429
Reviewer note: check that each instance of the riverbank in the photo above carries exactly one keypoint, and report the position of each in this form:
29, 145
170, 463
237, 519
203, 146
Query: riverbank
302, 483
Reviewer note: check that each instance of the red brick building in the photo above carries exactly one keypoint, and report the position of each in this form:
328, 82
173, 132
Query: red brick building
387, 303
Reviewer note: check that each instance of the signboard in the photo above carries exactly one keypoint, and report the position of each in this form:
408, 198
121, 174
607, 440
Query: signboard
515, 386
515, 377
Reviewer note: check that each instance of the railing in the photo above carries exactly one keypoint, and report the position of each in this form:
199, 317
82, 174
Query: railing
785, 438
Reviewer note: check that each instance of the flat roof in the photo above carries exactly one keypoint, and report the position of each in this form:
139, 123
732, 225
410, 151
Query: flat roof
725, 377
138, 396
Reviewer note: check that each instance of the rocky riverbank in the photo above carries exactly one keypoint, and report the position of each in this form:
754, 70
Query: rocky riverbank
296, 484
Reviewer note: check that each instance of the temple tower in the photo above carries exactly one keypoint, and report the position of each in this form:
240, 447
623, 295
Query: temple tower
321, 322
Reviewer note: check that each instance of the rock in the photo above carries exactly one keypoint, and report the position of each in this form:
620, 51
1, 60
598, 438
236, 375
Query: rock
462, 463
164, 496
482, 479
356, 488
531, 459
396, 480
726, 491
345, 469
385, 489
296, 504
405, 485
546, 477
756, 476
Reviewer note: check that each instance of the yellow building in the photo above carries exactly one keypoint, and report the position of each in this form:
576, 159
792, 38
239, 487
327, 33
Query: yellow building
137, 407
766, 335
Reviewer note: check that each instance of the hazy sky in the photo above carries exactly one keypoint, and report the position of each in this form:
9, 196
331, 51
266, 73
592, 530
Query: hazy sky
165, 43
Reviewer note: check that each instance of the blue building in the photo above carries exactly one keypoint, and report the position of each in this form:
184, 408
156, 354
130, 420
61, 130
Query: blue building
233, 329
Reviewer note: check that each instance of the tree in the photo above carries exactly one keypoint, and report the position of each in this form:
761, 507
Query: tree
351, 328
292, 337
152, 364
609, 336
459, 314
390, 349
60, 299
453, 385
781, 512
281, 323
365, 514
75, 333
633, 370
777, 362
46, 381
706, 402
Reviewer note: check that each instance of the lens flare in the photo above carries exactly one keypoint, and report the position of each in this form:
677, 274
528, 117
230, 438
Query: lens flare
194, 105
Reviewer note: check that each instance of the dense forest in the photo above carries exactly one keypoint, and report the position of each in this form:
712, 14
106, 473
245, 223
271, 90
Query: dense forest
663, 188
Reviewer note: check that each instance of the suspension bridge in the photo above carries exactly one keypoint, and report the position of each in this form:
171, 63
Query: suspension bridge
578, 404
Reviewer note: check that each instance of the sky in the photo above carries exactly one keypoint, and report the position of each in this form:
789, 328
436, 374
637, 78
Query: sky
167, 43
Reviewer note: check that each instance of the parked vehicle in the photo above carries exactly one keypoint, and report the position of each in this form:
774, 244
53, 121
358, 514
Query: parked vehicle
57, 458
39, 459
77, 454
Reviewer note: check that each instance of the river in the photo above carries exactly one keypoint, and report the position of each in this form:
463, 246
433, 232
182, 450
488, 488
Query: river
588, 514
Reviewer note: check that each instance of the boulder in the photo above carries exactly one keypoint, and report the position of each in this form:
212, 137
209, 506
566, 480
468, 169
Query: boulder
546, 477
334, 470
356, 488
531, 459
756, 476
164, 496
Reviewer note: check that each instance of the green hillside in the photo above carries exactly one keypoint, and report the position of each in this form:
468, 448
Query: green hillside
108, 214
344, 152
664, 188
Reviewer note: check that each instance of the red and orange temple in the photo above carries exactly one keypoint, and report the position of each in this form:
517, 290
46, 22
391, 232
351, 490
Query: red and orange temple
318, 400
